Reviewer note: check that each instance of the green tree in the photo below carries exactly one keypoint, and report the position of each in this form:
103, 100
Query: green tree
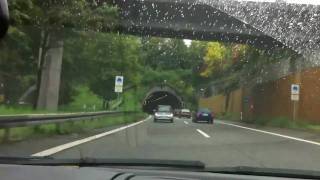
215, 59
95, 59
40, 23
164, 53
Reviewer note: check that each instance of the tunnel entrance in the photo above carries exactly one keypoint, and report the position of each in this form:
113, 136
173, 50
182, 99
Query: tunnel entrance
161, 96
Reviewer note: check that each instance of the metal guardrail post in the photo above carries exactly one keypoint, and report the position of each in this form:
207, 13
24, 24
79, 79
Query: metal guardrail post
58, 128
36, 128
6, 136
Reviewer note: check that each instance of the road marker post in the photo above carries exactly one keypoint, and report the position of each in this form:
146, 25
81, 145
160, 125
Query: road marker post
118, 86
295, 93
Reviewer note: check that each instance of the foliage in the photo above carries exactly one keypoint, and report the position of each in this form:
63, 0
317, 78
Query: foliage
96, 58
10, 110
214, 60
57, 15
38, 23
165, 54
84, 100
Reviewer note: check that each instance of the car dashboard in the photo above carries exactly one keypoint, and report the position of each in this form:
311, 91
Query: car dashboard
26, 172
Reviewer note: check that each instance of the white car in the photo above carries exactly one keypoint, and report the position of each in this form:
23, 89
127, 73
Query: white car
164, 113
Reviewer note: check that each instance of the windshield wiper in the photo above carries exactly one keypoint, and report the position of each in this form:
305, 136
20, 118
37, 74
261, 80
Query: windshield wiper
92, 162
272, 172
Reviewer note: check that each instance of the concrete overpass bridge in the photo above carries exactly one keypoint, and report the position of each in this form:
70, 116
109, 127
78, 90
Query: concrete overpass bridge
261, 24
188, 19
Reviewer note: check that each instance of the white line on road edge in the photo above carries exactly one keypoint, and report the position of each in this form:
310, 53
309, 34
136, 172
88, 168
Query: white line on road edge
62, 147
185, 122
271, 133
203, 133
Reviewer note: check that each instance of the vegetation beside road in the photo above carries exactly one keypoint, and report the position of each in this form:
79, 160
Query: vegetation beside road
12, 110
131, 102
278, 122
21, 133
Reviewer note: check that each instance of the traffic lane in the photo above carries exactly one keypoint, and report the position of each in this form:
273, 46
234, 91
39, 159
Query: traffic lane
226, 146
172, 141
24, 148
146, 140
267, 150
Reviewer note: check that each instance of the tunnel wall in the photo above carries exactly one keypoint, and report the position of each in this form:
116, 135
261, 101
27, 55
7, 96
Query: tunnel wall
273, 99
154, 98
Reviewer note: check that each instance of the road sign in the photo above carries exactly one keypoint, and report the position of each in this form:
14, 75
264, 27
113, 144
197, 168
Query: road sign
295, 97
118, 87
119, 81
295, 89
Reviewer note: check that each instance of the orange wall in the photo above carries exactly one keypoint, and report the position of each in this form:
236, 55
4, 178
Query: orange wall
272, 99
235, 102
309, 105
215, 103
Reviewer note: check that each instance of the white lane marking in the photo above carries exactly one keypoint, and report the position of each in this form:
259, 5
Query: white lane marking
203, 133
271, 133
62, 147
185, 122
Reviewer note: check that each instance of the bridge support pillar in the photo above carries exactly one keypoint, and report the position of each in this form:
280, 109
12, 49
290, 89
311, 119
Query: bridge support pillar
50, 77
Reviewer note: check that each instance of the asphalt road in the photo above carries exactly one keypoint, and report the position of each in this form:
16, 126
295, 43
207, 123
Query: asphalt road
217, 145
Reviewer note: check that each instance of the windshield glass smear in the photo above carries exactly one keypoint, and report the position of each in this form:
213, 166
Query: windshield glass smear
239, 81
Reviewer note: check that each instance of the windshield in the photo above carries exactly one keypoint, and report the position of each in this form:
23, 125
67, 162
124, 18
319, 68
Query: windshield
204, 110
185, 110
85, 78
163, 108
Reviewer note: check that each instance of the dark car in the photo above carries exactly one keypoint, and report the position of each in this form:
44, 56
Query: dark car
163, 113
176, 112
185, 113
203, 115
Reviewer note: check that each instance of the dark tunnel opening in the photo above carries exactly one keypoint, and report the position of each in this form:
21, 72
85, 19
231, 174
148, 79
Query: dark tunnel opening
161, 98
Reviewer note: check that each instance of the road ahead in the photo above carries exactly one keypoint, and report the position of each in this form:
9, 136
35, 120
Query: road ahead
216, 145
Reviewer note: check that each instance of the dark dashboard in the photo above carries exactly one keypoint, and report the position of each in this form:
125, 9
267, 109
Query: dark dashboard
26, 172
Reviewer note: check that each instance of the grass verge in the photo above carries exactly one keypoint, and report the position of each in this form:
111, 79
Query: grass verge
22, 133
278, 122
229, 116
13, 110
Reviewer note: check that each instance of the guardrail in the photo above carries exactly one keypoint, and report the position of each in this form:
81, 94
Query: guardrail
11, 121
7, 121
